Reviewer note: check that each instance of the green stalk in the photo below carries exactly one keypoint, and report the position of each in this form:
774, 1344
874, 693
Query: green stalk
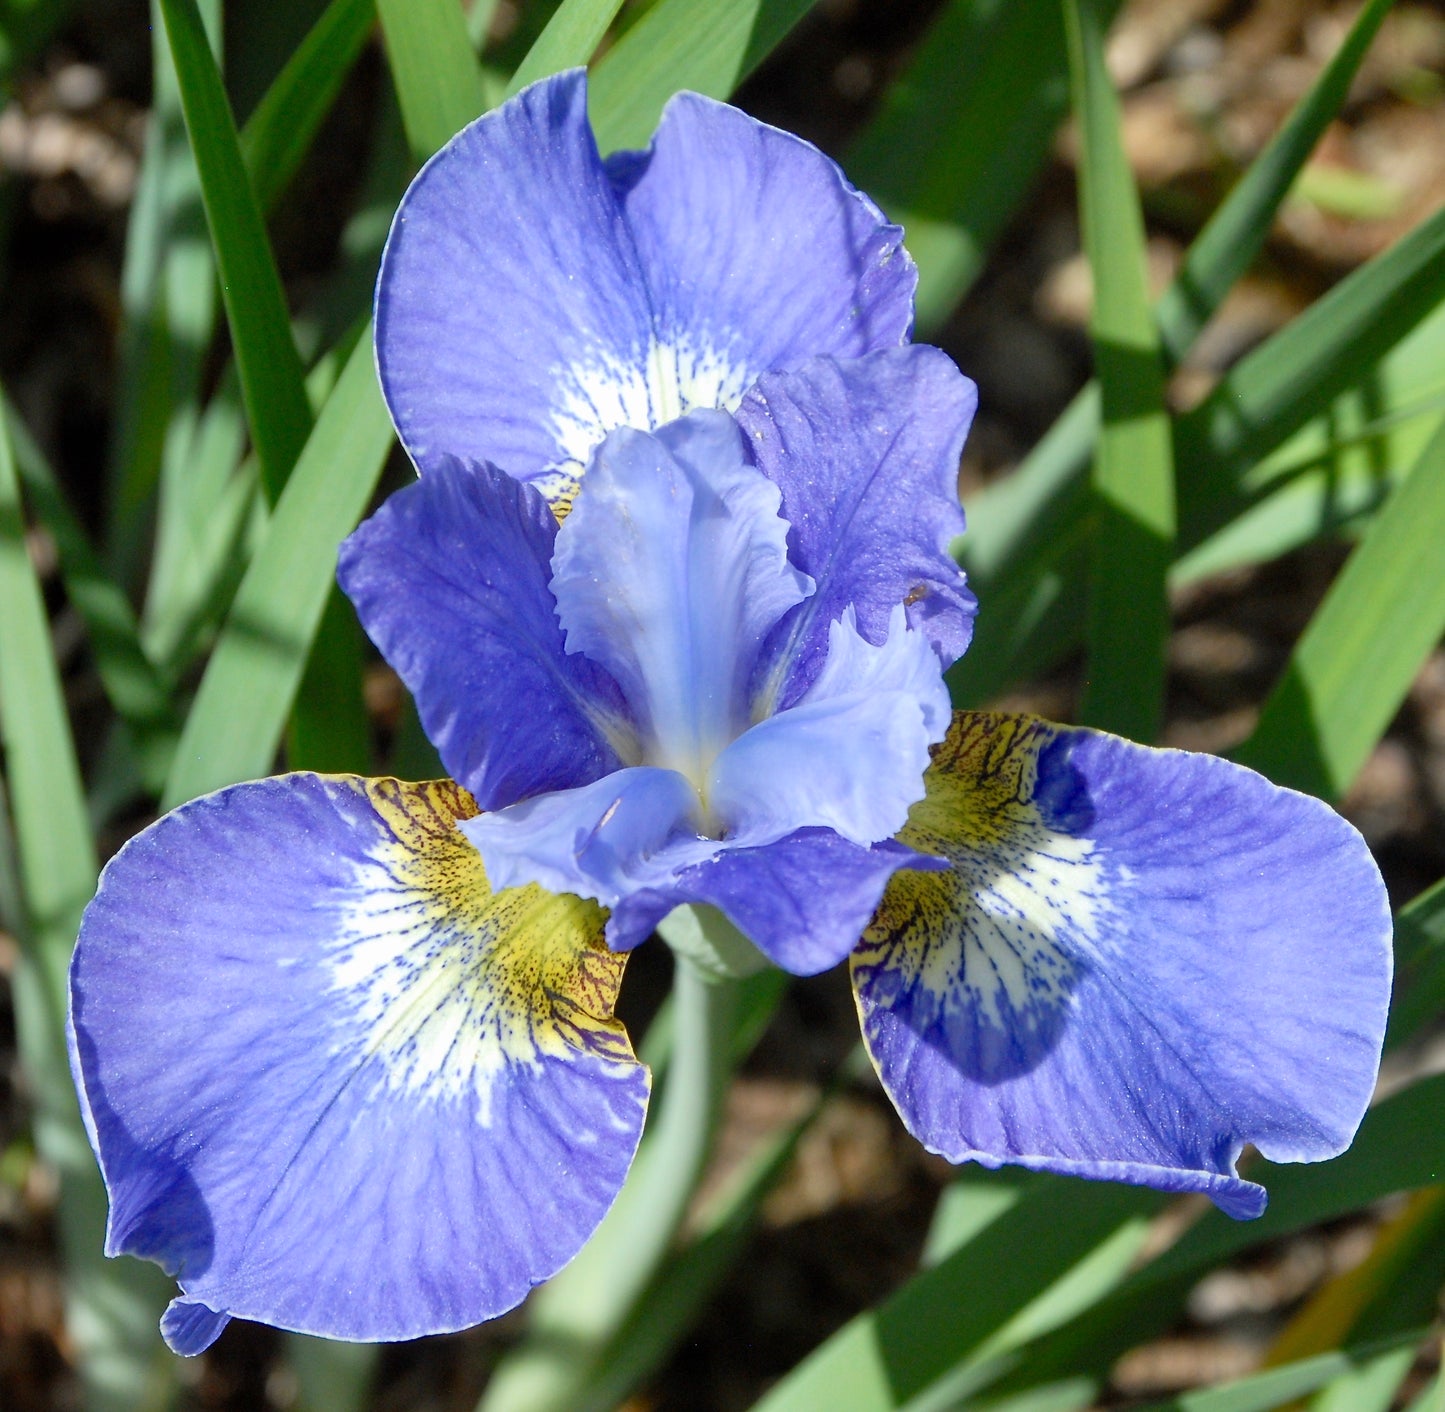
576, 1316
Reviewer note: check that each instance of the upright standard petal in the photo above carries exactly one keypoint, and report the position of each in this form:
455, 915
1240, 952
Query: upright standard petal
669, 572
1138, 961
866, 455
512, 320
531, 299
450, 580
850, 755
336, 1083
757, 251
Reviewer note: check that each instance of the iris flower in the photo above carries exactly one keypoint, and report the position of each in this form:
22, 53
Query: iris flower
673, 595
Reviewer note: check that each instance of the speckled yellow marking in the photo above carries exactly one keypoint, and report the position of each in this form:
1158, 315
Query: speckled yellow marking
449, 981
992, 934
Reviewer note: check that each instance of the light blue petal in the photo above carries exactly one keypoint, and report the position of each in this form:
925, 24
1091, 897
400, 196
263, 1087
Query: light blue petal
632, 829
669, 572
335, 1082
1137, 962
850, 755
512, 318
757, 251
532, 299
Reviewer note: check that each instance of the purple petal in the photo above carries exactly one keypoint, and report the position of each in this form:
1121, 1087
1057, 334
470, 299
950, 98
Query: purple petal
450, 579
632, 829
1139, 961
334, 1082
866, 456
531, 300
512, 322
802, 901
669, 572
758, 253
850, 755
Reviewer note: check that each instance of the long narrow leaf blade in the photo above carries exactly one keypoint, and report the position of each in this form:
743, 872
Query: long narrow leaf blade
1133, 481
277, 135
576, 28
709, 46
434, 67
1351, 669
266, 358
1012, 514
963, 134
235, 725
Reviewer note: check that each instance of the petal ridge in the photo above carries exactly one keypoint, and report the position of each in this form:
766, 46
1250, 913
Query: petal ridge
1130, 960
299, 1008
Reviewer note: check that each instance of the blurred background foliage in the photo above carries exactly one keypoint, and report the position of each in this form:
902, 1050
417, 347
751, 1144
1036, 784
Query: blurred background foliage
1193, 251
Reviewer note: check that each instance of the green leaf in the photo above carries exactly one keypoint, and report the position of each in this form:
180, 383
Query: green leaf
266, 358
1419, 966
330, 731
235, 725
1011, 548
434, 67
1234, 235
1369, 1386
130, 680
576, 28
1277, 1387
708, 46
278, 134
954, 1322
1220, 450
959, 1326
1133, 480
962, 135
1354, 664
112, 1307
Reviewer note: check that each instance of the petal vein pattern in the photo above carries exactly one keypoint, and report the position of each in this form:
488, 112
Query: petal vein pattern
319, 1056
533, 298
448, 983
1137, 961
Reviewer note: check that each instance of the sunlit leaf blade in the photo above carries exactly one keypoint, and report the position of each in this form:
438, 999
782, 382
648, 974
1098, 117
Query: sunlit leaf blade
962, 134
111, 1307
1219, 449
1370, 1386
266, 358
1281, 1387
129, 678
1351, 669
708, 46
278, 134
235, 725
1400, 1147
576, 28
1233, 236
952, 1321
1133, 480
434, 67
1022, 514
168, 304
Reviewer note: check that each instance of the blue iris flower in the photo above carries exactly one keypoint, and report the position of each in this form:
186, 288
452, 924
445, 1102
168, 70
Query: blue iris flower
673, 595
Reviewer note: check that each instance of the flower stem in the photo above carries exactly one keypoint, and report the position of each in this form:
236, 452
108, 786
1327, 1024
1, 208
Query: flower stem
575, 1317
